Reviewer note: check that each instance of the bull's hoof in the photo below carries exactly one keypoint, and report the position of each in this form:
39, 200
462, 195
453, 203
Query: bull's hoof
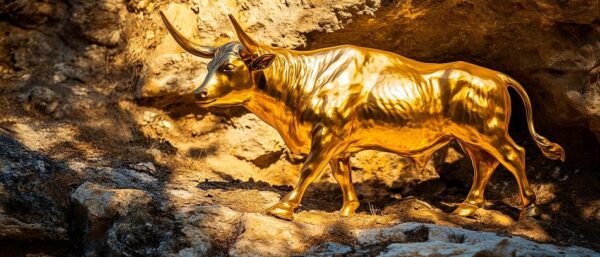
531, 211
282, 211
349, 208
466, 209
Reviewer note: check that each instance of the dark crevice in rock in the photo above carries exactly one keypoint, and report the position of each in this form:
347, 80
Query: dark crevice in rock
419, 234
38, 248
234, 184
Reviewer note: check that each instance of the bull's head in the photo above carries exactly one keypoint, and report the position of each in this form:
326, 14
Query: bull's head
230, 72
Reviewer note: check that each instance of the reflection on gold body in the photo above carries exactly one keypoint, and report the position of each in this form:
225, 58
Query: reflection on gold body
332, 102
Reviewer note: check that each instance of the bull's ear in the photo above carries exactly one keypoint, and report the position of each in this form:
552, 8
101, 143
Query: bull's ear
262, 62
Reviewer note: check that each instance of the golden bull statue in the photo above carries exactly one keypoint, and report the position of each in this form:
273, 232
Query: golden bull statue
332, 102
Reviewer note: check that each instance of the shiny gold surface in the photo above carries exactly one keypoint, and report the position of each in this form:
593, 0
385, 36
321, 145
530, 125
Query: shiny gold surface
332, 102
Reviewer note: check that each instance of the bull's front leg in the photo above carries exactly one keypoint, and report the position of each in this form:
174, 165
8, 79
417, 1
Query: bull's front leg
324, 146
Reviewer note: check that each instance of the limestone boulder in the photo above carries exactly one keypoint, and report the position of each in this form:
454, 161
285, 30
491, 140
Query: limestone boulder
255, 141
207, 228
102, 203
97, 208
418, 239
268, 236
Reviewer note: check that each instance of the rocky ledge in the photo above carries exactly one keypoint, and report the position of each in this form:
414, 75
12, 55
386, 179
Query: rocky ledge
111, 218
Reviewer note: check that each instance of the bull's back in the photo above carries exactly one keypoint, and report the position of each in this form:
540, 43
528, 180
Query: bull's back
411, 109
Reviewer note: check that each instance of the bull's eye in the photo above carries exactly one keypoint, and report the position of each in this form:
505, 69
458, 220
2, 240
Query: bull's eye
229, 67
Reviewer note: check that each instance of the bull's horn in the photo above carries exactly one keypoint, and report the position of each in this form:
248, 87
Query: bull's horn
190, 46
249, 44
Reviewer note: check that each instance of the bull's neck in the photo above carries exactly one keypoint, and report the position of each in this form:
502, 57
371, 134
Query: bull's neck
270, 104
279, 95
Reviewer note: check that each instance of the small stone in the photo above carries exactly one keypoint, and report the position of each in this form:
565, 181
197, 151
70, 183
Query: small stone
40, 99
149, 35
41, 166
149, 116
166, 124
188, 252
150, 7
546, 217
144, 167
556, 173
154, 152
57, 78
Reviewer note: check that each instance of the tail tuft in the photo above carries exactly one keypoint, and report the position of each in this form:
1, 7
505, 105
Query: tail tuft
549, 149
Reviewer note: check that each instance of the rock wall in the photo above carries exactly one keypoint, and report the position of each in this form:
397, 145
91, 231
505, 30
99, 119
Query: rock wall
103, 153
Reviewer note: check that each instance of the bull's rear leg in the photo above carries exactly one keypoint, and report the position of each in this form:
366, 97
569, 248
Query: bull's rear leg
324, 146
340, 167
512, 156
484, 165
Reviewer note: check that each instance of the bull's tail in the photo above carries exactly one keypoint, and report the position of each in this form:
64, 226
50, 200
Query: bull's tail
549, 149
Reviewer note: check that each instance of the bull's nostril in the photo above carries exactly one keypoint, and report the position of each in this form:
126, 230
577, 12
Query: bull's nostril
201, 94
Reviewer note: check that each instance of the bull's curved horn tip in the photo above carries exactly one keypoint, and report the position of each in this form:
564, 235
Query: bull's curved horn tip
162, 15
231, 17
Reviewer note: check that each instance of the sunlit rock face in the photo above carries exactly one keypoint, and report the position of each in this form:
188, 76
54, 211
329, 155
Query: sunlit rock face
99, 92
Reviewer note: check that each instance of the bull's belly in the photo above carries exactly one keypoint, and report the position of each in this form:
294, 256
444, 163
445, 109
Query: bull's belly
405, 141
